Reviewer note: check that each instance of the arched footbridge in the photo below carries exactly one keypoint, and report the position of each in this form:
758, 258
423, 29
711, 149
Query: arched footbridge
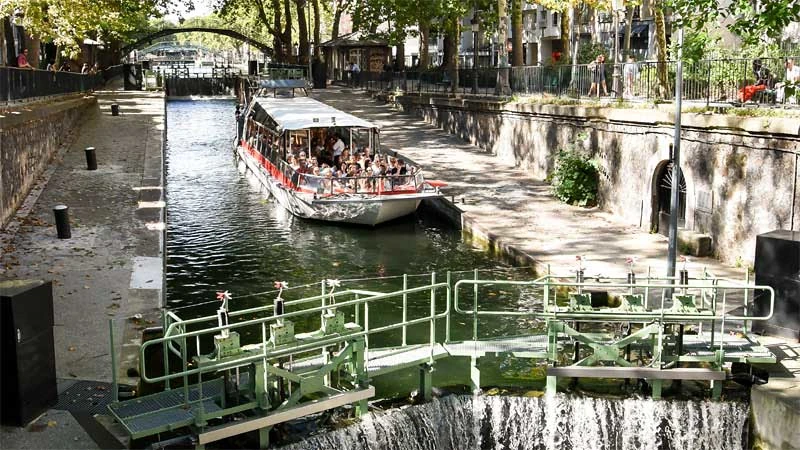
221, 31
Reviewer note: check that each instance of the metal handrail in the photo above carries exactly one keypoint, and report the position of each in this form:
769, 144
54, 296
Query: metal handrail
372, 297
660, 314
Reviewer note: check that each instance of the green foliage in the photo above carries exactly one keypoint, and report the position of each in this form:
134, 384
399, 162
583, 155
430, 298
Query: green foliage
740, 16
67, 23
576, 177
588, 52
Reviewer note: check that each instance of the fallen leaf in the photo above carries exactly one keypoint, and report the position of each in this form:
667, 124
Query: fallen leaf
72, 349
86, 287
52, 423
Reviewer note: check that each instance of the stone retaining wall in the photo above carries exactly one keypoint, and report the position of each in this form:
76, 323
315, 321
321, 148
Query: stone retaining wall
29, 139
741, 173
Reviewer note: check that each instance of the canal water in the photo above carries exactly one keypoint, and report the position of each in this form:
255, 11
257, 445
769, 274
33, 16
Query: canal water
225, 234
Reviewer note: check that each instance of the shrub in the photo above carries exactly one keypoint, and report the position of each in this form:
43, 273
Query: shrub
576, 178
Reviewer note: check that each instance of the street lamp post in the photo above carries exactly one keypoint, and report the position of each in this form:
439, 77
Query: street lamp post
476, 24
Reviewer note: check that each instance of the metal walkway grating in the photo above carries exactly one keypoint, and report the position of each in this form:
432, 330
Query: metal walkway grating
741, 348
175, 417
166, 399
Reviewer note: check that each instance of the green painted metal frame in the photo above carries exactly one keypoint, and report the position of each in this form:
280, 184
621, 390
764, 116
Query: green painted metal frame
352, 340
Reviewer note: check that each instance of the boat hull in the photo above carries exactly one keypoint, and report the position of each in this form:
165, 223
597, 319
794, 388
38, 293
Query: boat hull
362, 210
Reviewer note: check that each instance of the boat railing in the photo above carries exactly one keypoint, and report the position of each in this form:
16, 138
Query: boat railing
329, 185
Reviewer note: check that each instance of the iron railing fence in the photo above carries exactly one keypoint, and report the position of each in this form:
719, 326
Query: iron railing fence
26, 84
706, 81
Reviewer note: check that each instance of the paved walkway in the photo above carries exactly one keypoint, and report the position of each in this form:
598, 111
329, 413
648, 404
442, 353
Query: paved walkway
519, 211
116, 239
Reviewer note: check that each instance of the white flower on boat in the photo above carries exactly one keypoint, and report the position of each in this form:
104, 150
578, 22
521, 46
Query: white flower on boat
223, 296
333, 283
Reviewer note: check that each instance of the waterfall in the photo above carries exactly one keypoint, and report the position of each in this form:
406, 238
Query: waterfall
562, 422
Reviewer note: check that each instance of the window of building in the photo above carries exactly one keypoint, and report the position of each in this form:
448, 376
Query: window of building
555, 19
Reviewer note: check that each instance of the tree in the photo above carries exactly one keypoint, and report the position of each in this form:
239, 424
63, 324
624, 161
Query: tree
661, 49
340, 7
751, 21
67, 23
517, 58
502, 87
317, 40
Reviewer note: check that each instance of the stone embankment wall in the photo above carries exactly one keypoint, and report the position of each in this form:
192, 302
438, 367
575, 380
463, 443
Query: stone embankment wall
741, 174
30, 137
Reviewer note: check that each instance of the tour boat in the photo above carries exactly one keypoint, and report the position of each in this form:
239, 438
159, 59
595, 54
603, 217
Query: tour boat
277, 129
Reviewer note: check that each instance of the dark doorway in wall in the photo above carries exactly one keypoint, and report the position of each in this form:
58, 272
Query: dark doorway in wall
662, 198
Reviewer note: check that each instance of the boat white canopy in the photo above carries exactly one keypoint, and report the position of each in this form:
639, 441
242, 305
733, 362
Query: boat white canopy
298, 113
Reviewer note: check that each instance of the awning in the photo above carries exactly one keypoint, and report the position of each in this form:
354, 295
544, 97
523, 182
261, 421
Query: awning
636, 29
299, 113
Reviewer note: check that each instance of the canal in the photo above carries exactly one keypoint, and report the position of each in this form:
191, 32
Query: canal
225, 234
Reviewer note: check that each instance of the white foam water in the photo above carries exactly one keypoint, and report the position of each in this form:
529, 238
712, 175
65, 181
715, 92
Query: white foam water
560, 422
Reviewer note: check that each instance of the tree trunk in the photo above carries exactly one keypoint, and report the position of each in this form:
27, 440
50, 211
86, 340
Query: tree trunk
424, 35
573, 55
451, 51
502, 87
628, 25
317, 49
277, 42
337, 17
517, 57
566, 31
302, 31
401, 56
287, 29
661, 49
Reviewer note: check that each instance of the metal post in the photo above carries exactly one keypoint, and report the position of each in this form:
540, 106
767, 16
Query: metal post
433, 310
475, 22
676, 163
405, 306
62, 221
114, 386
91, 158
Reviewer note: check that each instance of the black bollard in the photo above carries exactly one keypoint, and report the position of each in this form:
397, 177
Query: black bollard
62, 221
114, 109
91, 159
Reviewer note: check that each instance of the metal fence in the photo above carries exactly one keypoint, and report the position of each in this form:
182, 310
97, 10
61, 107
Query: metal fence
708, 81
27, 84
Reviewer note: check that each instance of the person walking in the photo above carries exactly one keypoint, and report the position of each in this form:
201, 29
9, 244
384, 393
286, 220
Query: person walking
631, 72
598, 71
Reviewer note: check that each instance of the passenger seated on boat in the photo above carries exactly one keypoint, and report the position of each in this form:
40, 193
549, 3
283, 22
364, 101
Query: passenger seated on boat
401, 167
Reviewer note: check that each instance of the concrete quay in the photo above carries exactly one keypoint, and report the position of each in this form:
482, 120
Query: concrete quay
502, 208
112, 266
